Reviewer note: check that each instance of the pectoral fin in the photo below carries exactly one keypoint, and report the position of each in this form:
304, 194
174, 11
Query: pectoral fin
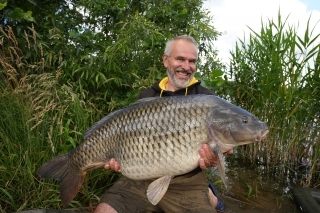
221, 167
158, 188
220, 158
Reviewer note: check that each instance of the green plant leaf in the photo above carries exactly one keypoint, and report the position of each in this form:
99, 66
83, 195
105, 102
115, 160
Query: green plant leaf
3, 5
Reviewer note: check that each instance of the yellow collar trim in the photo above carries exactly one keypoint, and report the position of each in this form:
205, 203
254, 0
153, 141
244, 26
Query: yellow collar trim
165, 80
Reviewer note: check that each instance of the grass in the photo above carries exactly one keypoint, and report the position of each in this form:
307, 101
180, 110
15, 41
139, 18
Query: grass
31, 135
40, 118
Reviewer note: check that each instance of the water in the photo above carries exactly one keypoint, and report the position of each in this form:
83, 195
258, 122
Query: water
250, 190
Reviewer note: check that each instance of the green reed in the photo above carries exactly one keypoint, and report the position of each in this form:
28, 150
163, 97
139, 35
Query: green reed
275, 74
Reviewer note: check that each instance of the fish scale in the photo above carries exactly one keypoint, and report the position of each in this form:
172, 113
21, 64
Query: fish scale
156, 138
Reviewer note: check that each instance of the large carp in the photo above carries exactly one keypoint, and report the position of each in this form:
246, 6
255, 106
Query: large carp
151, 134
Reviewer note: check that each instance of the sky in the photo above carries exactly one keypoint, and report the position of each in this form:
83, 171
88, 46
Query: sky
233, 17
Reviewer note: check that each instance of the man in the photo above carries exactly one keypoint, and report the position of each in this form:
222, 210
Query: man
188, 192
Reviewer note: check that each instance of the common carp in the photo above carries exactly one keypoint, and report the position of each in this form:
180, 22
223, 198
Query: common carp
147, 136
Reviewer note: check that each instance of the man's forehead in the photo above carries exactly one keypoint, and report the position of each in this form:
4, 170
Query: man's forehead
185, 49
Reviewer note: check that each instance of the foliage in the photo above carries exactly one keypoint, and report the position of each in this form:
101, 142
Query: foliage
103, 41
15, 14
276, 76
40, 121
136, 33
40, 118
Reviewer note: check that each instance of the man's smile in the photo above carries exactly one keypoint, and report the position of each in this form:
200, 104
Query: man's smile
183, 73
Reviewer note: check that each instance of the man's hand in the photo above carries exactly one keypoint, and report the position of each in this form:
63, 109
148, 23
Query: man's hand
113, 165
208, 158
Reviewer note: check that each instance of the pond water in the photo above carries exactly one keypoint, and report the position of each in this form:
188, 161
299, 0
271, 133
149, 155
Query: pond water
250, 191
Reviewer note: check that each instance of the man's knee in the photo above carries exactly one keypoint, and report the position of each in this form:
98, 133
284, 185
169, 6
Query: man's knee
104, 208
213, 199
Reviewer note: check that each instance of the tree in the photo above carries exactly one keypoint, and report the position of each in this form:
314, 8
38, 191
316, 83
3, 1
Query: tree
112, 49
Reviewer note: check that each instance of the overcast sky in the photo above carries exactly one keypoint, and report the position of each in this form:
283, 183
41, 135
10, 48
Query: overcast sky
234, 16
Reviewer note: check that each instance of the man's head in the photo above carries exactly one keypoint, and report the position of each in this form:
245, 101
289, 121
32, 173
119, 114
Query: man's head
180, 58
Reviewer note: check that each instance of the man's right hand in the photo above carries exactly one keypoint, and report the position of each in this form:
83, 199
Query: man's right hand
113, 165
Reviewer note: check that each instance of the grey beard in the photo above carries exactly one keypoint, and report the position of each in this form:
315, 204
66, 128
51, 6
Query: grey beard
176, 82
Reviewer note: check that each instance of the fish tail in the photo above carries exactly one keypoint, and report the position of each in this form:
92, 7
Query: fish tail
70, 177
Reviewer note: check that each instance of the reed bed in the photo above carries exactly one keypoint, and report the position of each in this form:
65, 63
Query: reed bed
276, 75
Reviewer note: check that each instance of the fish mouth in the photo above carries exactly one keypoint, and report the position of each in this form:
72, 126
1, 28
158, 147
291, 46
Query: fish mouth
263, 136
258, 138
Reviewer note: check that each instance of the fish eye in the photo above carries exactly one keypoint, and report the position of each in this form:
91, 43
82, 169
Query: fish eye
245, 119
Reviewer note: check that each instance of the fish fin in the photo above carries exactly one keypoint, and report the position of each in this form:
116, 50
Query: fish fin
215, 148
70, 185
145, 99
54, 168
106, 118
99, 124
158, 188
221, 166
71, 177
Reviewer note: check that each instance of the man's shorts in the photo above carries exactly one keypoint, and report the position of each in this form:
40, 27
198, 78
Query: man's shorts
186, 193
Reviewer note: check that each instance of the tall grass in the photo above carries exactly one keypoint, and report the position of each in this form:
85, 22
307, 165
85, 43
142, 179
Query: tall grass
275, 74
36, 125
40, 118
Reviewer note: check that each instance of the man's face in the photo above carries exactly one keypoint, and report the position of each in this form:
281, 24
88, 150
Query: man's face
181, 63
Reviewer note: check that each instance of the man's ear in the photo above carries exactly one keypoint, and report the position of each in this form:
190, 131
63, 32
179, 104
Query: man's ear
165, 60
